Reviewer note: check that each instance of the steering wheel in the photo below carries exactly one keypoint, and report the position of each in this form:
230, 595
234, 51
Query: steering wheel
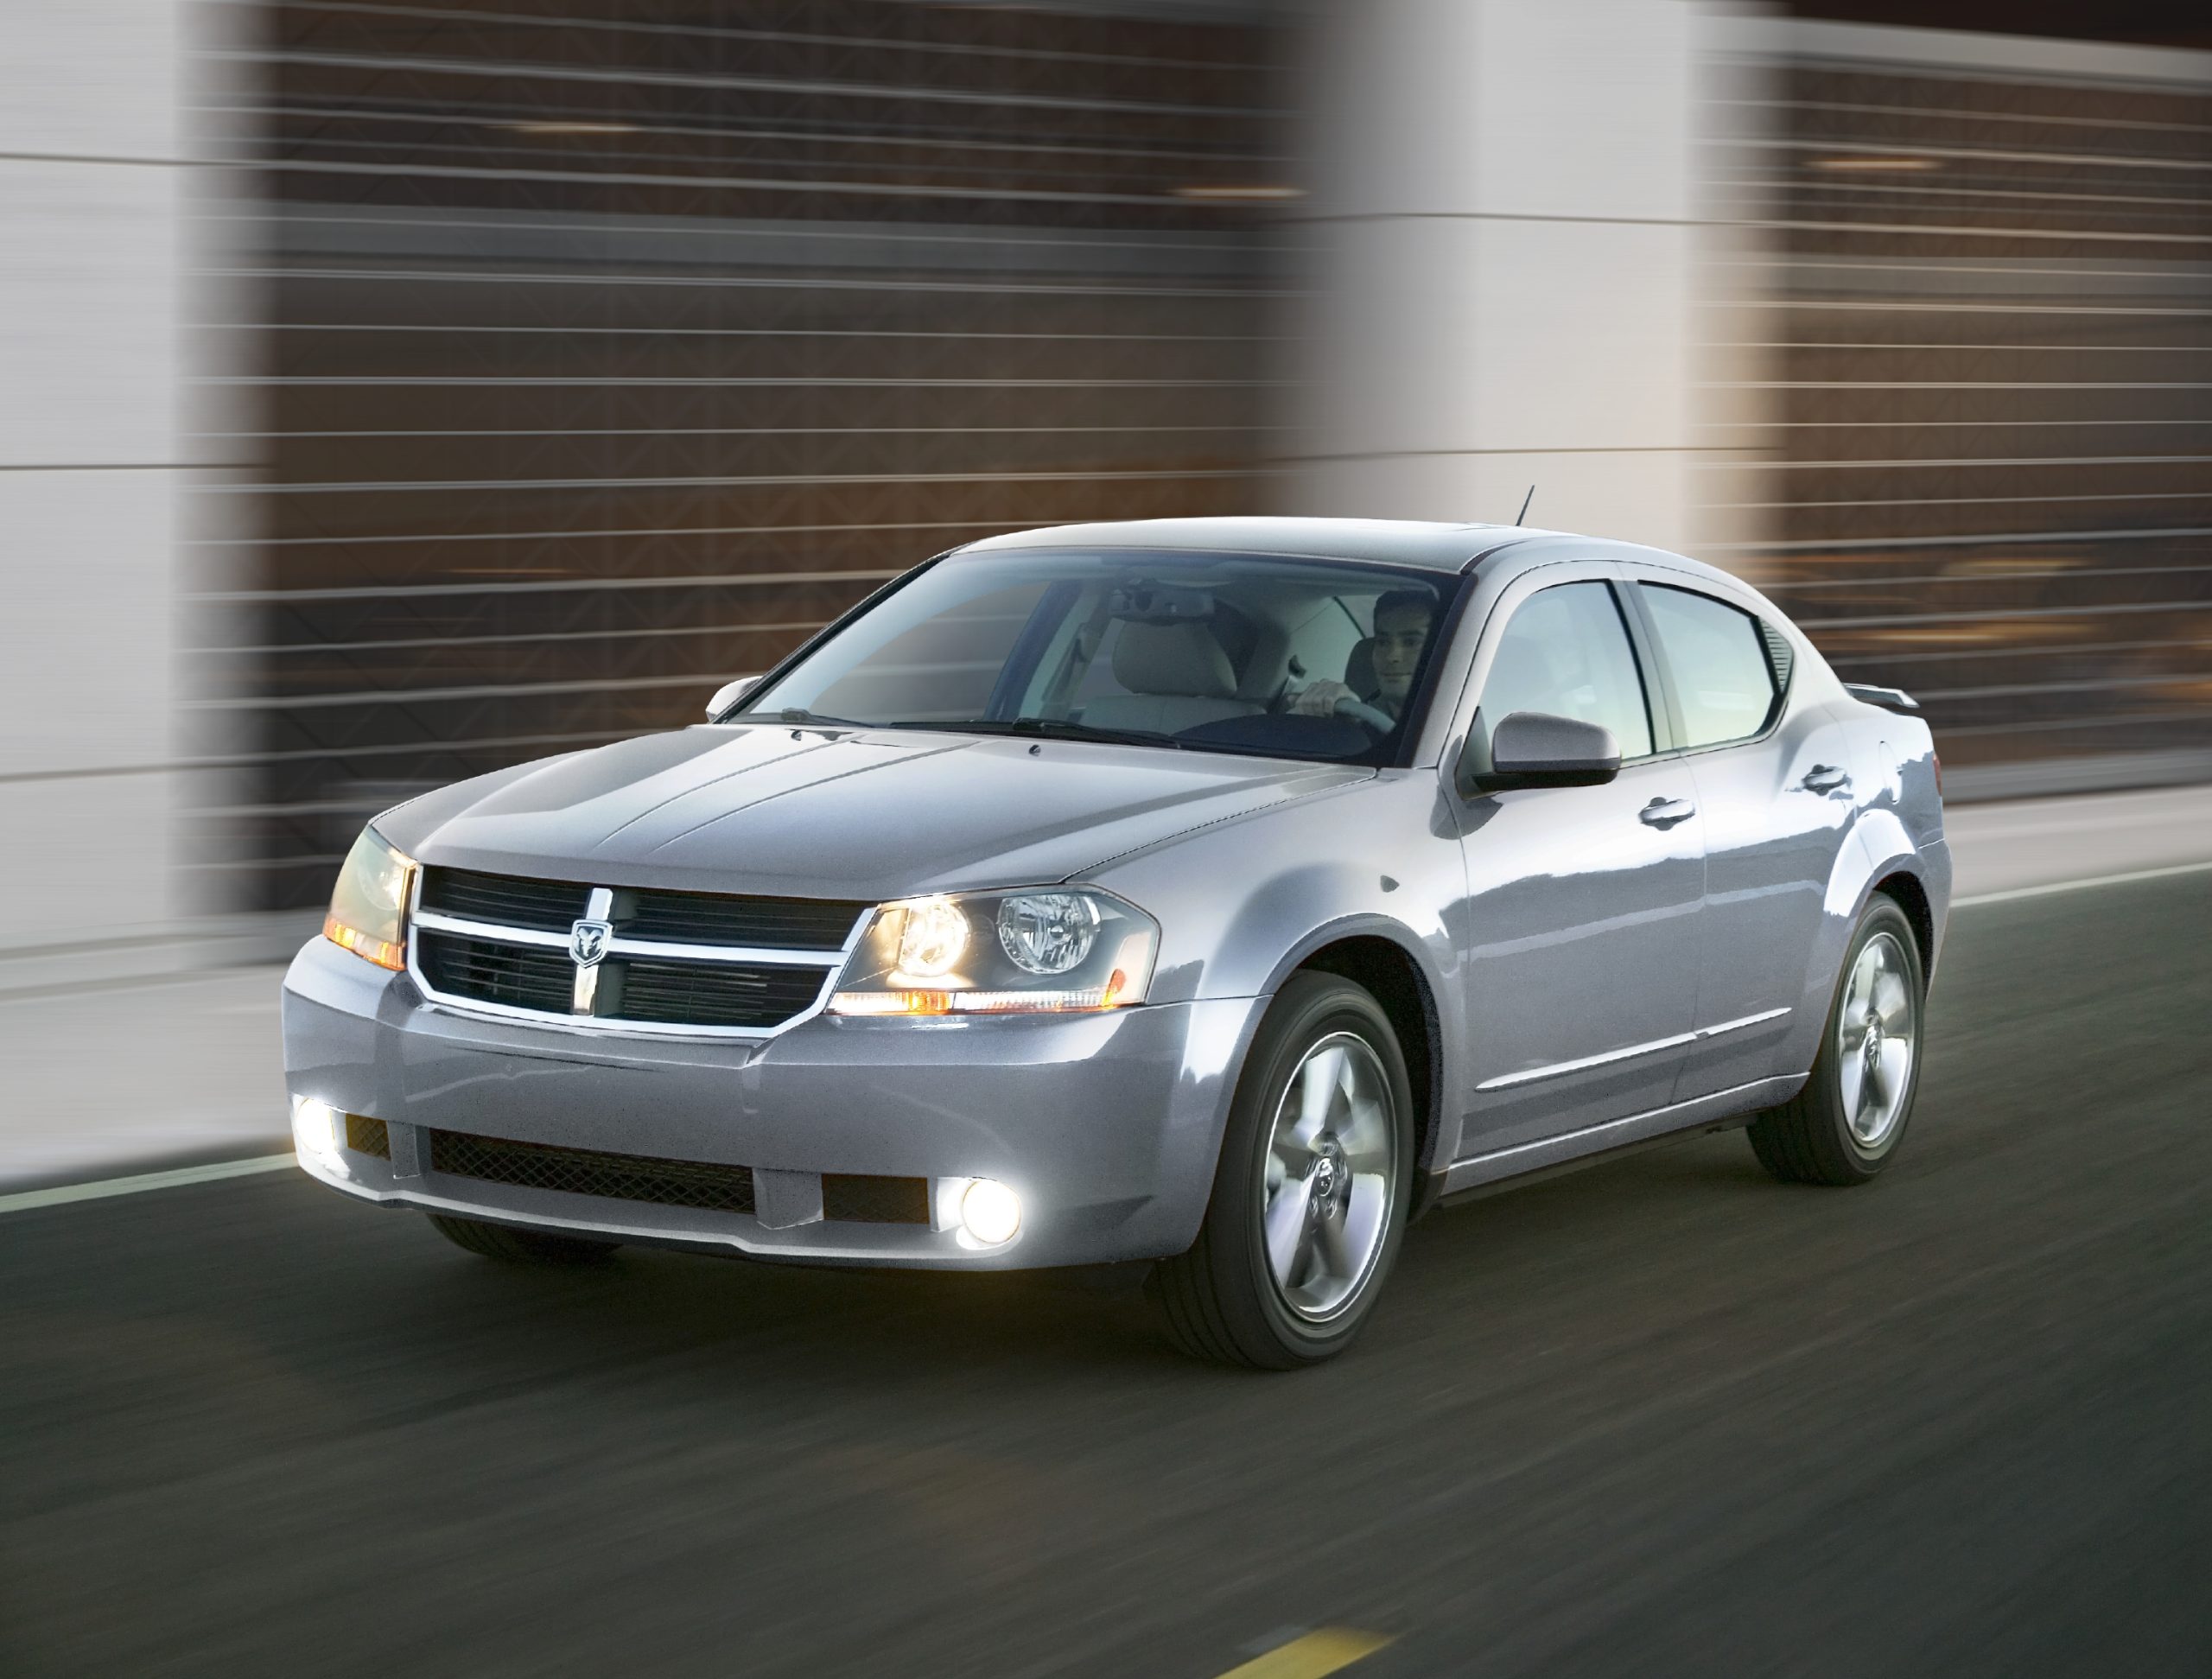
1360, 711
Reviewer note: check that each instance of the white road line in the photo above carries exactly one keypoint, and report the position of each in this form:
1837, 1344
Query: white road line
24, 1200
2076, 886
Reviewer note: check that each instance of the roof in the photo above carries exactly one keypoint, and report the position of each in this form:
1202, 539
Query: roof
1394, 541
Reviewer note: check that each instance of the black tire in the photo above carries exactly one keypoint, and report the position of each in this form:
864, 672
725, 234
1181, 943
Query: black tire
1809, 1139
1220, 1300
520, 1247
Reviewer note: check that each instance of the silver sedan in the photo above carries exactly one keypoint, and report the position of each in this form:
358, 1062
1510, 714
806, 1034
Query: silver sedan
1221, 893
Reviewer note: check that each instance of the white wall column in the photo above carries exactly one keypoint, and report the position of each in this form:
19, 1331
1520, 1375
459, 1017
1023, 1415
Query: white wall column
91, 470
1504, 253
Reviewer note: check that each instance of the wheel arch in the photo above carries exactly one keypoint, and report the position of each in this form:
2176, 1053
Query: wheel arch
1389, 971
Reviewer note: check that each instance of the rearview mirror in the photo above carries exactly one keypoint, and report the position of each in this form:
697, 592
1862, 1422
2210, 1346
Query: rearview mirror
1533, 749
729, 695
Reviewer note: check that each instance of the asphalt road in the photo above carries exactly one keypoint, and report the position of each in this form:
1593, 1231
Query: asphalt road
1663, 1416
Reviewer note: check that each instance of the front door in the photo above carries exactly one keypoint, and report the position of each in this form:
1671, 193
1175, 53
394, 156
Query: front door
1584, 903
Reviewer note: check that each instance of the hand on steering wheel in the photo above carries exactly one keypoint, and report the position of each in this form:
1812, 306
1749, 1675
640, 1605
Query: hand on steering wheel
1360, 711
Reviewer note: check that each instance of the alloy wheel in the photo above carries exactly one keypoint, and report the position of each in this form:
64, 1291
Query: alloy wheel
1877, 1036
1331, 1177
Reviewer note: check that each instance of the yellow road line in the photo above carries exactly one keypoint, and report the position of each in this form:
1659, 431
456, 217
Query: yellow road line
1313, 1656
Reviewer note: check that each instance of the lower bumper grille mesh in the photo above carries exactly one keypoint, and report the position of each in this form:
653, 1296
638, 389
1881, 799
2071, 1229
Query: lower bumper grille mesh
589, 1172
365, 1135
874, 1200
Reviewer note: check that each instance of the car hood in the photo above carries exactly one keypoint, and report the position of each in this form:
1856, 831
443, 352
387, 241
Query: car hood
876, 814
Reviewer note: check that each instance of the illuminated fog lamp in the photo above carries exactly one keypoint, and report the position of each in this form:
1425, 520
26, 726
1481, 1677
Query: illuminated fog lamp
315, 1132
991, 1213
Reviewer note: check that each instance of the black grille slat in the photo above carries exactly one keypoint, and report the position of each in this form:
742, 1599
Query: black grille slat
711, 993
487, 970
700, 918
694, 1184
504, 900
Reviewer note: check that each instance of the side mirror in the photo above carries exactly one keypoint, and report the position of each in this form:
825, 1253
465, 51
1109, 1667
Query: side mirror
729, 695
1533, 749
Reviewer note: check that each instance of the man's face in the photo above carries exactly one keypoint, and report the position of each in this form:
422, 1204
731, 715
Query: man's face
1400, 634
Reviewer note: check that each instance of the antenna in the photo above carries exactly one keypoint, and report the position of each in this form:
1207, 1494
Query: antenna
1525, 500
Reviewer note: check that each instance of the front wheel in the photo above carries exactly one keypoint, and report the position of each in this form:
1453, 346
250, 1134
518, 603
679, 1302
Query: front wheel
1309, 1198
1845, 1125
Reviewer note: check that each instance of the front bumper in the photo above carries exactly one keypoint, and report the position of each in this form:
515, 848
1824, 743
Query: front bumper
1107, 1125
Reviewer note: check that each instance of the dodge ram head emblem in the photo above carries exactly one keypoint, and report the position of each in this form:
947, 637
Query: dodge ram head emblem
588, 941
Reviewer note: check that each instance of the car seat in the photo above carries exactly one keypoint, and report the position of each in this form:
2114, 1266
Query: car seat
1178, 676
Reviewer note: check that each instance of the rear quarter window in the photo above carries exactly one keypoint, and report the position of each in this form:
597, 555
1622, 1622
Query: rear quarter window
1723, 675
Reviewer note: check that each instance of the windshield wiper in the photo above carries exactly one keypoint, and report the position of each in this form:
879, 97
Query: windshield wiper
799, 715
1050, 729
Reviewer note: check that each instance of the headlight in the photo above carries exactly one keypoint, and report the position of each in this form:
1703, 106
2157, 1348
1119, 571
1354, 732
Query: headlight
1056, 950
368, 907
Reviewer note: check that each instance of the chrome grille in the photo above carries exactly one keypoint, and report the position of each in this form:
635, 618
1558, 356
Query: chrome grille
551, 905
679, 961
487, 970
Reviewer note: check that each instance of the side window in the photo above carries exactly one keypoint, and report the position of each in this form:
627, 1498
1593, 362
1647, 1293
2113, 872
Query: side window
1718, 657
1565, 651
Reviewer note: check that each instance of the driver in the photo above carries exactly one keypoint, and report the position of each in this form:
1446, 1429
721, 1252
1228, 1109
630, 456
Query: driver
1404, 618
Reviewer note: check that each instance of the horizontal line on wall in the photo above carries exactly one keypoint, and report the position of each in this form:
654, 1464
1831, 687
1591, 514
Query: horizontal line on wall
817, 480
787, 431
1987, 461
524, 638
428, 696
970, 193
1496, 215
1972, 500
2037, 650
2044, 725
629, 76
697, 32
480, 330
1532, 449
411, 591
2051, 119
2072, 235
2082, 574
810, 382
1978, 540
2001, 615
891, 135
2084, 685
102, 466
991, 526
74, 157
1938, 384
797, 280
1914, 306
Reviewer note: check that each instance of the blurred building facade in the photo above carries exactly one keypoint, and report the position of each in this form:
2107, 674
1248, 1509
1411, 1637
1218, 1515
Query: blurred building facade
540, 366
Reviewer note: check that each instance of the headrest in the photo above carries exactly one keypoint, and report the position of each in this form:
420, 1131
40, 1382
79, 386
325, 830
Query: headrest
1359, 668
1182, 659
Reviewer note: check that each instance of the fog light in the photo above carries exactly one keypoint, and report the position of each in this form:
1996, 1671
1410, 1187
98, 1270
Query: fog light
315, 1131
990, 1212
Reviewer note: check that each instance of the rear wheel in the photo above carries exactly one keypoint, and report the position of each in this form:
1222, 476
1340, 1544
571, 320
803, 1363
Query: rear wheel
1309, 1198
1846, 1124
520, 1247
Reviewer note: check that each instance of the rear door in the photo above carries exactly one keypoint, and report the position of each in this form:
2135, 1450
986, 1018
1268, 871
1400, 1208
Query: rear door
1774, 786
1582, 902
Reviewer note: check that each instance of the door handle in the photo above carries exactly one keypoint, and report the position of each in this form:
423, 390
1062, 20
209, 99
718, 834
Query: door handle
1825, 779
1666, 812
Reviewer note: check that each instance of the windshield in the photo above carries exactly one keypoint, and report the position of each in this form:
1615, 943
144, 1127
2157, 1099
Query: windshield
1278, 657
